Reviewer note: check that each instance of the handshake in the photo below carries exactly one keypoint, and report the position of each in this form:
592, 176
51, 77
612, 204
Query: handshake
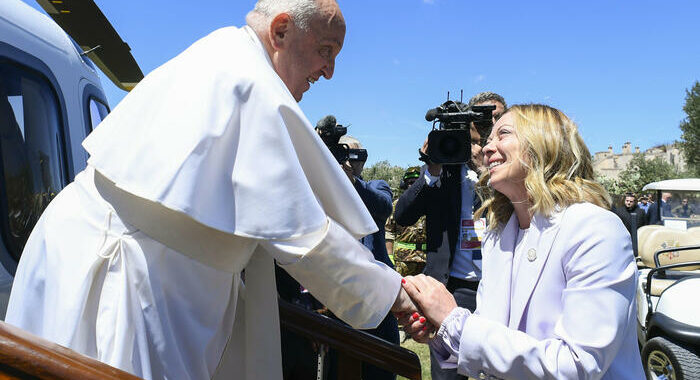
422, 305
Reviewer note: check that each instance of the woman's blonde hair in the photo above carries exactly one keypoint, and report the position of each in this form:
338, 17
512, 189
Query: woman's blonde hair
558, 165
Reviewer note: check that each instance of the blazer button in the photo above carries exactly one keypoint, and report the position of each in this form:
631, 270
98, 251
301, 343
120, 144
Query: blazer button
482, 375
531, 255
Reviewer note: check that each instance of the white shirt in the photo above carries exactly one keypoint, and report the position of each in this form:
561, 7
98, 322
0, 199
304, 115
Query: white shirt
466, 264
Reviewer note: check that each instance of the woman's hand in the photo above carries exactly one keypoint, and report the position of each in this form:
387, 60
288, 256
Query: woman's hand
419, 329
431, 297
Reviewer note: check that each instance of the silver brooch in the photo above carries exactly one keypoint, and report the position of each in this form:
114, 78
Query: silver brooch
531, 255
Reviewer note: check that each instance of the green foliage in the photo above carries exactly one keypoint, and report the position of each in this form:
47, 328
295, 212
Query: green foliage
690, 139
640, 172
384, 170
611, 185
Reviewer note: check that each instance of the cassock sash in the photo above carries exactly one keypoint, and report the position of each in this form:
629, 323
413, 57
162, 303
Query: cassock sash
204, 244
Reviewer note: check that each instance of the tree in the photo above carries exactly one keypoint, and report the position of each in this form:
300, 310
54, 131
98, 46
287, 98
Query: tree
384, 170
610, 184
690, 139
641, 171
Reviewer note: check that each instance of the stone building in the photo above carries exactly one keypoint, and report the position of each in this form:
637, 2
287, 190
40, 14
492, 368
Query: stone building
609, 164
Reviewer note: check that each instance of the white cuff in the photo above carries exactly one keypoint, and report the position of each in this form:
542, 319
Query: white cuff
446, 340
342, 274
430, 179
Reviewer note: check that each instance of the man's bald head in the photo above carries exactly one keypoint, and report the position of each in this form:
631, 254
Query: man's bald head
302, 12
301, 37
352, 142
357, 165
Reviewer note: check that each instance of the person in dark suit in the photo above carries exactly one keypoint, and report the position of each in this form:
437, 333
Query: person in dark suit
632, 216
445, 195
376, 195
653, 212
630, 213
298, 355
441, 205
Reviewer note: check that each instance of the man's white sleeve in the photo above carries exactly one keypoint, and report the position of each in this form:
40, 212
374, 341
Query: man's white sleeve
432, 180
341, 273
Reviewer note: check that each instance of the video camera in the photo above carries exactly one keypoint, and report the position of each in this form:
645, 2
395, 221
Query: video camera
450, 142
331, 132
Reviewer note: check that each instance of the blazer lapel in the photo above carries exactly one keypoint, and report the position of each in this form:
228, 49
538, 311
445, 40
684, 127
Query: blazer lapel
497, 265
538, 244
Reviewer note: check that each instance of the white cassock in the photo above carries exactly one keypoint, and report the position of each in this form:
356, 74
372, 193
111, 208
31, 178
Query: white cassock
208, 167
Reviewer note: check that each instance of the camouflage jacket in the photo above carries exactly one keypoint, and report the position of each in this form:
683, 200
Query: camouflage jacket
409, 245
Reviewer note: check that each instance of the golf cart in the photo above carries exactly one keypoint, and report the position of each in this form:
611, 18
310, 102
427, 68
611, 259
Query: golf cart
669, 283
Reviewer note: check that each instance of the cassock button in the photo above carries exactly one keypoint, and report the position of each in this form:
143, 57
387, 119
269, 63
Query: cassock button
531, 255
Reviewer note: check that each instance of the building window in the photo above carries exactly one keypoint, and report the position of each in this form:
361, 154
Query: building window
98, 111
33, 156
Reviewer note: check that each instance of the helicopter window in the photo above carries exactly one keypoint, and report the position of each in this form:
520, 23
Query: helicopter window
98, 111
32, 165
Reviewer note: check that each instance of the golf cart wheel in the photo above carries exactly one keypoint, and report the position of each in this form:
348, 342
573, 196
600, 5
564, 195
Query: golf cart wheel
665, 360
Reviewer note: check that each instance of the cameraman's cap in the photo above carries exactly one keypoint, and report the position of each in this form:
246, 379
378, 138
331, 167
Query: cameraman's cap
412, 172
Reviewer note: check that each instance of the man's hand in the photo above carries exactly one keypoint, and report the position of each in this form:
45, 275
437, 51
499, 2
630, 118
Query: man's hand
410, 318
433, 168
404, 308
347, 168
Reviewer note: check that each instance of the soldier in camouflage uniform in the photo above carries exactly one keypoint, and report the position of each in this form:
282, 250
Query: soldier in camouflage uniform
406, 245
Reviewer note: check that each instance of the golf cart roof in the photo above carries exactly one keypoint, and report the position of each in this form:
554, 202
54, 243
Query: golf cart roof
683, 184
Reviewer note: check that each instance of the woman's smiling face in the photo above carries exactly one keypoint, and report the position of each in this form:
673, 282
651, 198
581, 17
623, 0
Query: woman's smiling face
502, 158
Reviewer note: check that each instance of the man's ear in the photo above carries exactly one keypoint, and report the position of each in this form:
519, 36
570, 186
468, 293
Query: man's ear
280, 27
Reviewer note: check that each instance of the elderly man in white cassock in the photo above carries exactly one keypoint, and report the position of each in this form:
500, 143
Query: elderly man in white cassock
206, 169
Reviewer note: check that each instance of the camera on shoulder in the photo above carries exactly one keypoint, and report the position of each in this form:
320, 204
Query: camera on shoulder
331, 132
449, 142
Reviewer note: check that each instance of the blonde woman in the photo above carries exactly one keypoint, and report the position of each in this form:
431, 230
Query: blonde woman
557, 295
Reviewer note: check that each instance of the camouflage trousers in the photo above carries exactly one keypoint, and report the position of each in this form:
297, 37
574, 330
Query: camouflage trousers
409, 258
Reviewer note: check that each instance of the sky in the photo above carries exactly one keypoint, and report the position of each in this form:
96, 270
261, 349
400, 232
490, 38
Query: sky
619, 69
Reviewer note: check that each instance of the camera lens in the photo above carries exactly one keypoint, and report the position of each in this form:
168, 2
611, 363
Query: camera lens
449, 145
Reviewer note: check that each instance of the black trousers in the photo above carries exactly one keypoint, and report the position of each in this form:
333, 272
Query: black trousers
299, 358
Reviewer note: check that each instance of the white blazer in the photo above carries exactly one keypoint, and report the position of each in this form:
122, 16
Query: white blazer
571, 312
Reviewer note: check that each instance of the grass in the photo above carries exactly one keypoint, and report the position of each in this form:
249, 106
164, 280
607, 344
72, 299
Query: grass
423, 354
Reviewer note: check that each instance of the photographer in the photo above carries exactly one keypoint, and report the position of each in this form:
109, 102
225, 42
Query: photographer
298, 354
376, 195
445, 195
